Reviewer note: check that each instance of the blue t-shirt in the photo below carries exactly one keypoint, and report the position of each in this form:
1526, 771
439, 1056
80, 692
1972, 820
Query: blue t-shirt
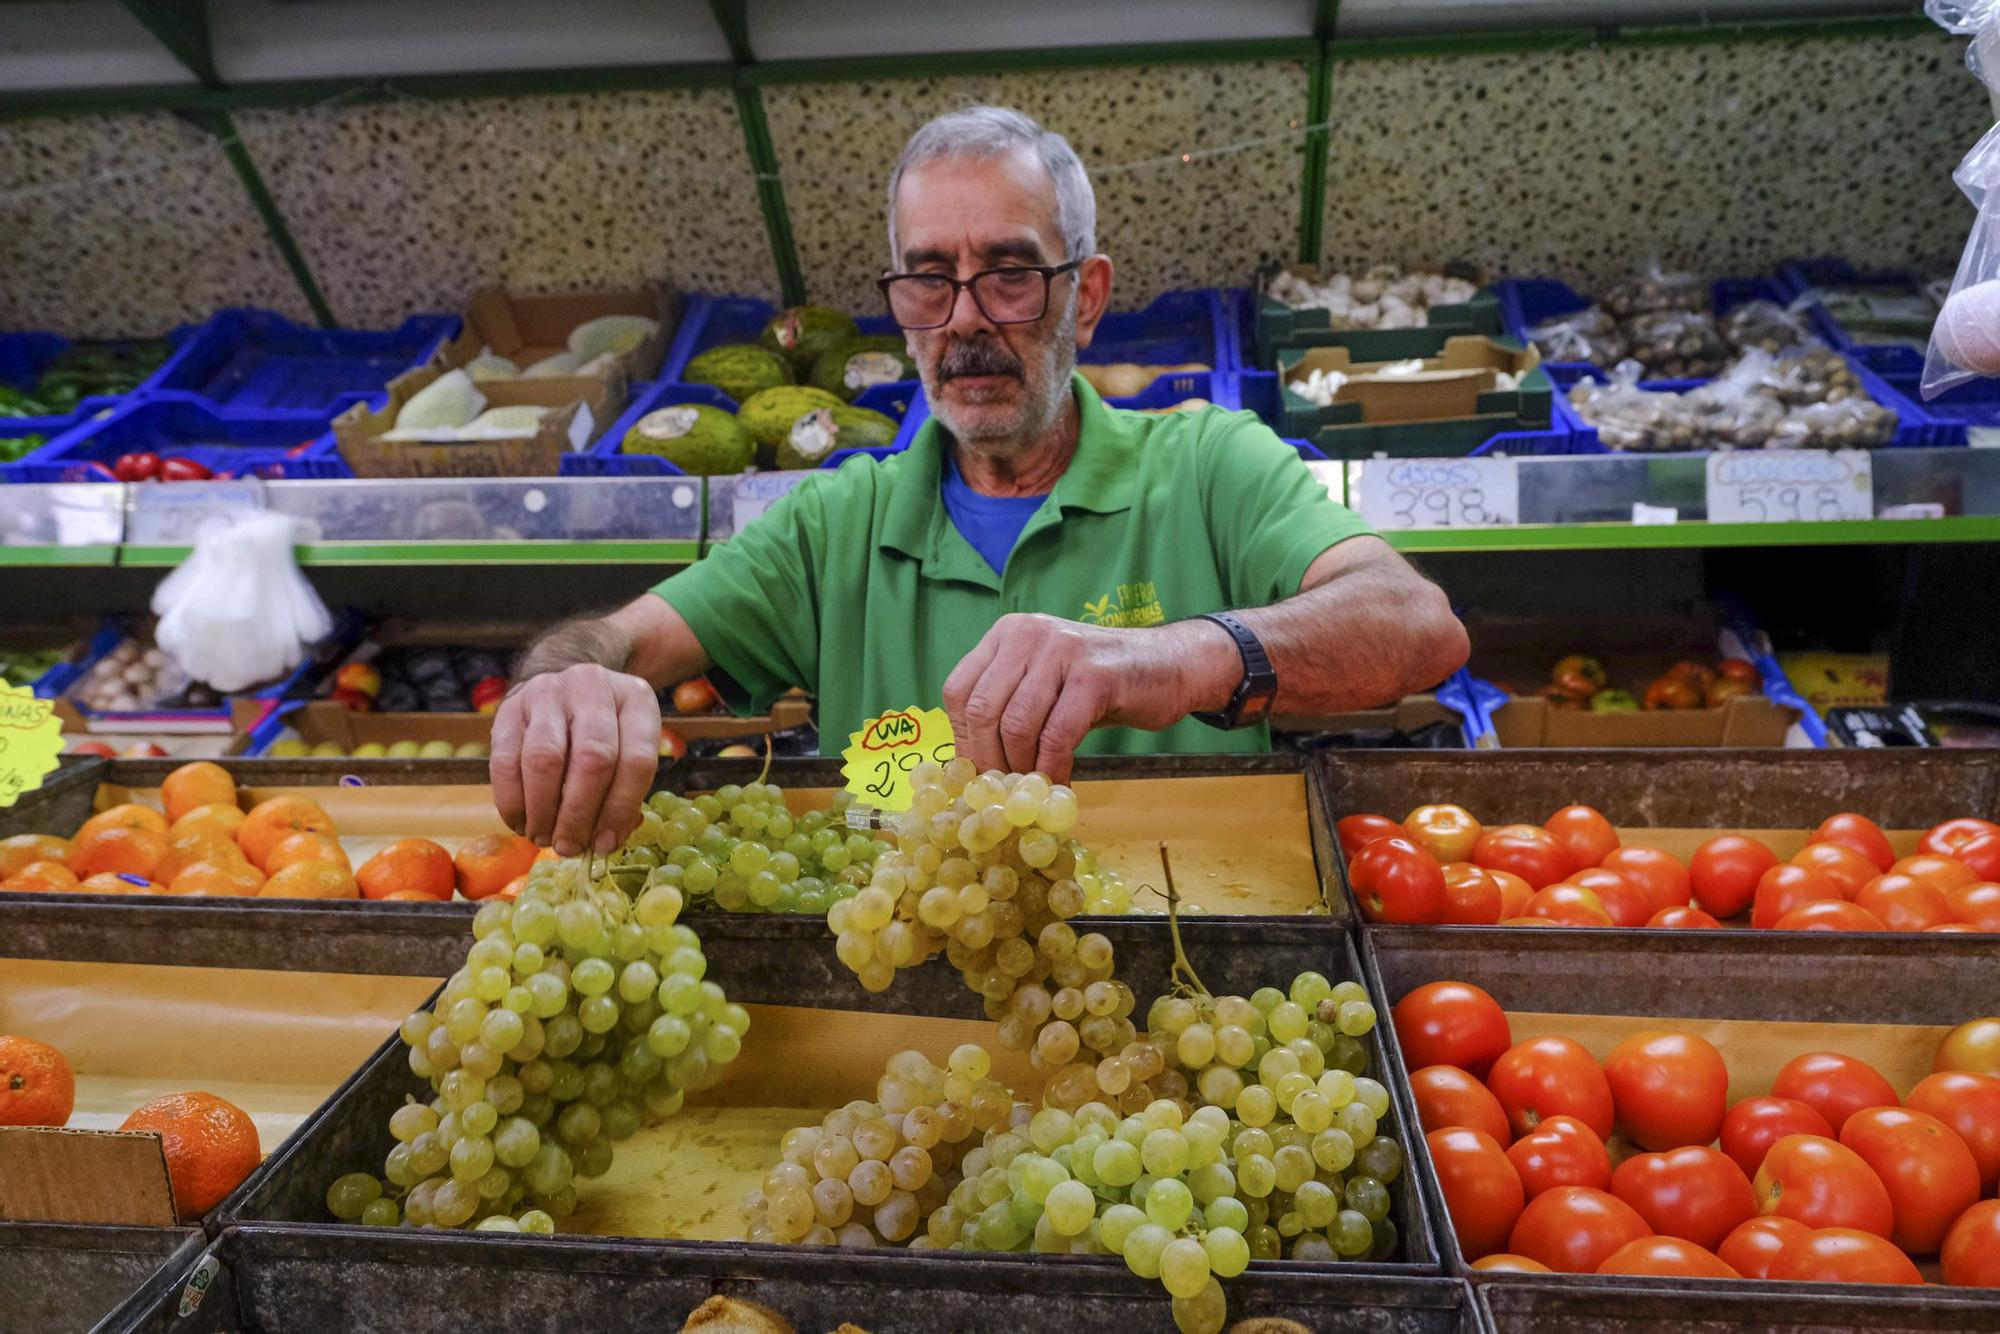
992, 524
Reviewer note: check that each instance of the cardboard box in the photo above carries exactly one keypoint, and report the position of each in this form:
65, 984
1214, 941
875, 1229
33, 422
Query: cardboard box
527, 328
580, 408
1449, 386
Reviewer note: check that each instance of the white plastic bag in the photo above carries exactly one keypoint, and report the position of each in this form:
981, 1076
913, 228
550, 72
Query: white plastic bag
237, 613
1965, 341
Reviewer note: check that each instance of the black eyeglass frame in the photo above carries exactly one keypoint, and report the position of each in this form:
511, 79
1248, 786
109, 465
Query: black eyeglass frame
1049, 273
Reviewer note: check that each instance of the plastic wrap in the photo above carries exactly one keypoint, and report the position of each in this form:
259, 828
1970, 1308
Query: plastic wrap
1766, 325
238, 612
1655, 290
1965, 340
1851, 423
1630, 418
1815, 375
1677, 344
1588, 335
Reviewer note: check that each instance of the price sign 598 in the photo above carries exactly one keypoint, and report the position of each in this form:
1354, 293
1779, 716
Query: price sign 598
1440, 493
1790, 486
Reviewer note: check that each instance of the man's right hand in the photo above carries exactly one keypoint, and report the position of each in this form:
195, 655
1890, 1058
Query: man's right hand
574, 754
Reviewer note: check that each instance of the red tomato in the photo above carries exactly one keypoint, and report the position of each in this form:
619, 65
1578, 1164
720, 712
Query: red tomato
1397, 881
1848, 869
1480, 1188
1683, 917
1857, 832
1514, 893
1574, 1229
1669, 1089
1970, 1104
1666, 1257
1973, 1045
1904, 902
1568, 905
1528, 850
1982, 854
1447, 833
1527, 921
1822, 1183
1755, 1124
1471, 895
1978, 906
1502, 1262
1750, 1249
1586, 836
1358, 831
1447, 1096
1953, 928
1842, 1255
1561, 1151
1930, 1174
1625, 903
1971, 1255
1694, 1193
1551, 1076
1838, 915
1785, 887
1946, 839
1659, 873
1833, 1085
1724, 872
1944, 873
1451, 1023
695, 695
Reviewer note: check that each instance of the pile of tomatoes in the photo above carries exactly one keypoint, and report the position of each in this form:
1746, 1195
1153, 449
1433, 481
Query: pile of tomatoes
1442, 867
1552, 1161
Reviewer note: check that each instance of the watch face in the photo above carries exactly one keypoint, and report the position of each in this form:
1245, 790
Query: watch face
1255, 708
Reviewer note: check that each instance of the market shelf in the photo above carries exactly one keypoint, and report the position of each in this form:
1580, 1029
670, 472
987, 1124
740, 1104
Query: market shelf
1700, 534
672, 552
45, 556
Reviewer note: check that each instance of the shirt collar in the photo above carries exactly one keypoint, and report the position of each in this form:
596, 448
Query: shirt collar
1100, 477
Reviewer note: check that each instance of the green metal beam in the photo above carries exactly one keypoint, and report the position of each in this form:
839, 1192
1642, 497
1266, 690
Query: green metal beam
1649, 537
182, 27
943, 64
1319, 137
733, 17
219, 124
1560, 39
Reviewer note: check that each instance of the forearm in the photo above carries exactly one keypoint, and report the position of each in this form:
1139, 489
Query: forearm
1367, 632
646, 638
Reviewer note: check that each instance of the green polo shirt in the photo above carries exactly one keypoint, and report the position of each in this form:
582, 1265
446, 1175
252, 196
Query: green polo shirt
857, 586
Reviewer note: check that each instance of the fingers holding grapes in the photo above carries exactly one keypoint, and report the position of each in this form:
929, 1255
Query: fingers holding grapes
574, 754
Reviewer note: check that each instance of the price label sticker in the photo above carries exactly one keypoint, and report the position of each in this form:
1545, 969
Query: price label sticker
878, 758
1397, 494
758, 491
1790, 485
30, 742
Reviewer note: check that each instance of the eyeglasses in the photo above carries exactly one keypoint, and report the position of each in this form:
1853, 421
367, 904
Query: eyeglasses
1017, 294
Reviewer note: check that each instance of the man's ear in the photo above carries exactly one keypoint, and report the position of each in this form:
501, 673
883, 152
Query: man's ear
1093, 296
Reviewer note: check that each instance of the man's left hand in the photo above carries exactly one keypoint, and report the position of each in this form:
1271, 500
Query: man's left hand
1035, 685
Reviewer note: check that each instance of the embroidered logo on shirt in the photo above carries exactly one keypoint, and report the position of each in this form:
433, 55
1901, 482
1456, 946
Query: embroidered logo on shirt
1126, 605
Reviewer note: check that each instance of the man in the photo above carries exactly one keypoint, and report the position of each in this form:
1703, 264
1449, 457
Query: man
1041, 564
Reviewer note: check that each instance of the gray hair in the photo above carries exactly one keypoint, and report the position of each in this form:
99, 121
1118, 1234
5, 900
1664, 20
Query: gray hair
985, 131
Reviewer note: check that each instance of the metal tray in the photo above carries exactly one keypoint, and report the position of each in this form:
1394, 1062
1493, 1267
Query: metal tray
428, 940
1670, 788
1688, 975
61, 1277
284, 1279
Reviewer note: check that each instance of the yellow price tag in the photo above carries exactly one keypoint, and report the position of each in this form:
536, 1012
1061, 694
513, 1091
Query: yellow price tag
30, 742
878, 758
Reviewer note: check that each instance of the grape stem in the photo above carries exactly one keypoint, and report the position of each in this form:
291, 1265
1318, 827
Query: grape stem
765, 772
1185, 979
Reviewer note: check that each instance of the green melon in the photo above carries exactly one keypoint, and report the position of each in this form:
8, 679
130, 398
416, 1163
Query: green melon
698, 439
819, 433
739, 369
861, 362
769, 414
803, 334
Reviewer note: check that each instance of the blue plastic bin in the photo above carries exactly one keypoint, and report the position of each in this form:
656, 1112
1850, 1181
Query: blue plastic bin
286, 445
23, 358
1800, 276
346, 633
1914, 429
603, 458
65, 674
713, 321
247, 362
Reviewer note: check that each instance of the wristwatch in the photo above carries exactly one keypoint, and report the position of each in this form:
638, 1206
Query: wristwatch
1250, 703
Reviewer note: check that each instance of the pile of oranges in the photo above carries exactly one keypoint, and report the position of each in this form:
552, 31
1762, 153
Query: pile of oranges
204, 844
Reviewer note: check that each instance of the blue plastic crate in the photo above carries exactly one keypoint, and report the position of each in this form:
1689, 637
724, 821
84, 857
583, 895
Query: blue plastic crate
713, 321
289, 445
65, 674
1974, 403
1800, 276
247, 361
346, 633
23, 358
1914, 429
603, 459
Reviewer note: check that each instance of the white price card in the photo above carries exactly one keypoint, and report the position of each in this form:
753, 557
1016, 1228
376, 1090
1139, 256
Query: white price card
757, 491
1790, 485
1440, 493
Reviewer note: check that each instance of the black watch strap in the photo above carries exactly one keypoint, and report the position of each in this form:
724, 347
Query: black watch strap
1250, 703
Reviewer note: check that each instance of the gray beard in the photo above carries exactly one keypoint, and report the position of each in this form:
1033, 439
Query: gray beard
1043, 410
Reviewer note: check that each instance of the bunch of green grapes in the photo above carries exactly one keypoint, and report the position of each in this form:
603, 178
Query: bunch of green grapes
743, 849
581, 1011
870, 1173
980, 872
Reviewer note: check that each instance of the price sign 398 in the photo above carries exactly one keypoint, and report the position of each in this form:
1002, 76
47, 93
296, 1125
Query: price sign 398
1440, 493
